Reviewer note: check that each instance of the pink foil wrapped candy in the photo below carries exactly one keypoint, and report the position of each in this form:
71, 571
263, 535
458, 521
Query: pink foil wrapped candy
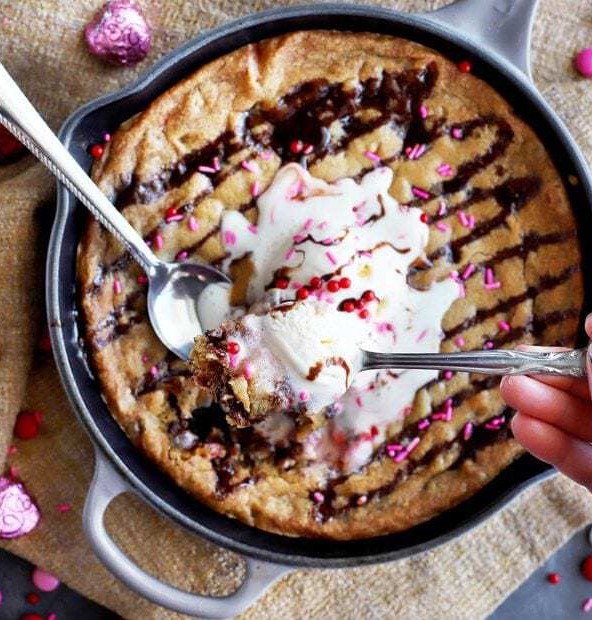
119, 33
18, 513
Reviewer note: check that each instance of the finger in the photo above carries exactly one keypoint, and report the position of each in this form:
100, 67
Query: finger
577, 387
550, 405
588, 325
570, 455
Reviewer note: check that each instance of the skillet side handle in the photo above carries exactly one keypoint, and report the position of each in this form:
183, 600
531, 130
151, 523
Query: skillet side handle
108, 484
503, 26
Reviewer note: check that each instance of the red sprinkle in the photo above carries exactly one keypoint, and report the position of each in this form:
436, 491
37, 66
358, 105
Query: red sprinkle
31, 617
302, 293
344, 283
96, 151
281, 283
27, 424
142, 279
44, 342
233, 347
363, 314
348, 306
424, 217
368, 296
316, 283
553, 578
333, 286
33, 598
586, 568
465, 66
296, 146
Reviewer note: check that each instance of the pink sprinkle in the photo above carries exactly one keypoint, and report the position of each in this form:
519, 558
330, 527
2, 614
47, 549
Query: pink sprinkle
250, 166
182, 255
308, 224
265, 155
13, 471
460, 341
323, 225
417, 151
331, 257
252, 228
327, 241
192, 223
422, 335
318, 497
372, 156
420, 193
248, 370
206, 169
154, 371
174, 218
106, 137
299, 238
462, 290
423, 424
158, 242
442, 226
454, 275
52, 616
64, 507
144, 358
468, 272
289, 254
423, 112
233, 362
444, 170
358, 401
438, 415
493, 286
468, 431
442, 208
216, 164
471, 222
488, 345
412, 444
393, 448
504, 326
401, 456
587, 605
254, 189
490, 426
362, 500
308, 149
489, 276
448, 375
462, 218
410, 447
116, 287
303, 396
229, 237
296, 285
457, 133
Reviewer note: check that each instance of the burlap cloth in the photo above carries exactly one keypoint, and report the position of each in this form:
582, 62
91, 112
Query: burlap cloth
41, 45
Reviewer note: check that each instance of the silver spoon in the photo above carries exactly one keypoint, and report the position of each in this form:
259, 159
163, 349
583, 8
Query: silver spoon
173, 288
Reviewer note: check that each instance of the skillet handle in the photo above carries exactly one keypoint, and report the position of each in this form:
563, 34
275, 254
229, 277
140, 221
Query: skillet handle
108, 484
503, 26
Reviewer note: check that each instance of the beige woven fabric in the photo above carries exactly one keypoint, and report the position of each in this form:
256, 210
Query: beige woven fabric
41, 44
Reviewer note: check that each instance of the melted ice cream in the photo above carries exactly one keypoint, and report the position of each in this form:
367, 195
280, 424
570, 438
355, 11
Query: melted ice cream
309, 228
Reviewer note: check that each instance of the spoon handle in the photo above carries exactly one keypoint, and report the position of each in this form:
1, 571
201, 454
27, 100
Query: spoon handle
496, 362
19, 116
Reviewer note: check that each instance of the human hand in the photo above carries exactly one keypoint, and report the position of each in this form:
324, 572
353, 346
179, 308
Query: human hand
554, 419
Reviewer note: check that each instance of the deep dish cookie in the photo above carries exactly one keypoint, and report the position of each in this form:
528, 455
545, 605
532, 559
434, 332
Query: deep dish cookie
342, 104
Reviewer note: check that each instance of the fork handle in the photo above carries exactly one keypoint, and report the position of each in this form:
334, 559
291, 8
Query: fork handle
496, 362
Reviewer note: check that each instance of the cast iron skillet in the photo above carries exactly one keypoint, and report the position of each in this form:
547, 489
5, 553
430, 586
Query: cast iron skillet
496, 35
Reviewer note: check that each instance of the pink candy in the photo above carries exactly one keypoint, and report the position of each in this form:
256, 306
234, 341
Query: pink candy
119, 33
18, 513
44, 581
583, 62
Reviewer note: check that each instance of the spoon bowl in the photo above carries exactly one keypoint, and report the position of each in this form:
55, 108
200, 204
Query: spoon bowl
173, 308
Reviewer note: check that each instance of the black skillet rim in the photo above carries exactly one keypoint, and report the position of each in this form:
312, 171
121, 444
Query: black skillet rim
155, 487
